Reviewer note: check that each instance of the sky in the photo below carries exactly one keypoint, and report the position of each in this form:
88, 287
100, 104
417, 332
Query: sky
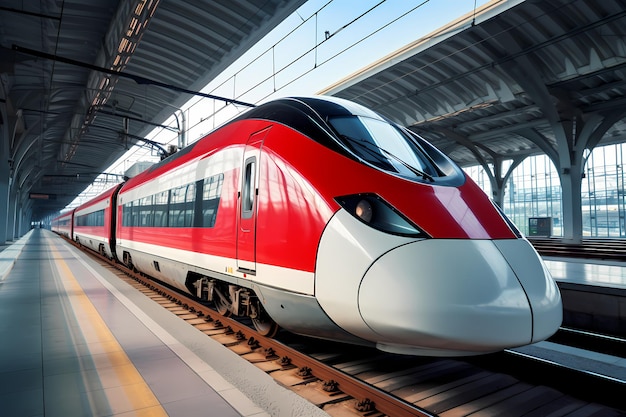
321, 43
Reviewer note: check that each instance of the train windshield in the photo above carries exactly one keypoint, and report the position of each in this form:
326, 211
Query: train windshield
385, 146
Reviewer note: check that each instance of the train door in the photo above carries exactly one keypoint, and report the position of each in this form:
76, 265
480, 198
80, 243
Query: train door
248, 193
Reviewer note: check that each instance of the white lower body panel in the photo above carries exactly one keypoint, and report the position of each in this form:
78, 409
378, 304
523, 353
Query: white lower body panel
174, 264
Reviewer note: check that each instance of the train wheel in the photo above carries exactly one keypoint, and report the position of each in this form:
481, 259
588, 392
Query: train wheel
222, 300
263, 323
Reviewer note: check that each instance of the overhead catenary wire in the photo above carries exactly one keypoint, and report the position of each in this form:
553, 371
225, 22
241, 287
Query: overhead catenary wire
317, 64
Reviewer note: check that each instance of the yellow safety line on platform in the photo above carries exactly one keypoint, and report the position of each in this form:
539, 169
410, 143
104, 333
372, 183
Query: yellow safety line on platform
125, 389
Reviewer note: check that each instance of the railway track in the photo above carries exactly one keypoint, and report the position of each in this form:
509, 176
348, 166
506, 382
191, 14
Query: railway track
354, 381
602, 343
589, 248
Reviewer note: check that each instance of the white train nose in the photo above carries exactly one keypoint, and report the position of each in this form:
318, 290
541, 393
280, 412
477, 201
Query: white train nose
541, 290
459, 296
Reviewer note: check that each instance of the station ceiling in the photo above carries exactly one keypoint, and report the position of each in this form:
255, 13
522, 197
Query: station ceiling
487, 87
493, 85
82, 80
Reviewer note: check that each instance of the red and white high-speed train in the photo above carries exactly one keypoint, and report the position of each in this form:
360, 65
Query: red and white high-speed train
321, 216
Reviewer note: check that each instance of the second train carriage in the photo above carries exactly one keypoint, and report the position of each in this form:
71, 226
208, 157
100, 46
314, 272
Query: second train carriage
94, 223
63, 224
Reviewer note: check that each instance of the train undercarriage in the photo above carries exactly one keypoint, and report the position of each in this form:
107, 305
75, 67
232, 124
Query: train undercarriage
230, 299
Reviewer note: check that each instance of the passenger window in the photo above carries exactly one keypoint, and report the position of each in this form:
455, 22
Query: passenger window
212, 190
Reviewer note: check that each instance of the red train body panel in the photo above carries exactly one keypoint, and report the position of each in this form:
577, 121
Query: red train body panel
321, 216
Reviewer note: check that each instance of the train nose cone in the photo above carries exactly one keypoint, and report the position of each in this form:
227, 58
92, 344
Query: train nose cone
541, 290
455, 297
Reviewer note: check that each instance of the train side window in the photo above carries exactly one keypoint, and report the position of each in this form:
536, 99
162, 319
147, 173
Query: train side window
190, 197
161, 201
127, 210
248, 192
146, 212
181, 205
212, 191
173, 218
180, 220
176, 206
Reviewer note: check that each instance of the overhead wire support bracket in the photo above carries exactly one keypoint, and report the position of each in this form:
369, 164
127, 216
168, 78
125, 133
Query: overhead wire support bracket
137, 78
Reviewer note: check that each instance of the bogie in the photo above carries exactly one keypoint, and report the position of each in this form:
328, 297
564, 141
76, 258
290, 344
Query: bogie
230, 299
128, 261
221, 299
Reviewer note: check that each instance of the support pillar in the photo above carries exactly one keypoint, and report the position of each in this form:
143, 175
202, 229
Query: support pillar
571, 195
4, 195
12, 217
5, 161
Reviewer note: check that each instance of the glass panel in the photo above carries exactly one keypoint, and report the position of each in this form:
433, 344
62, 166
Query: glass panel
161, 208
603, 196
247, 203
533, 190
211, 198
383, 145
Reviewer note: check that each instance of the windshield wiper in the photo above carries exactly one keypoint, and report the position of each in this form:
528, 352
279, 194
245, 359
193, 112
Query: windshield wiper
410, 167
372, 151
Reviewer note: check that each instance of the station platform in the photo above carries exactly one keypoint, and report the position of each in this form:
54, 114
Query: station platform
592, 272
593, 293
77, 341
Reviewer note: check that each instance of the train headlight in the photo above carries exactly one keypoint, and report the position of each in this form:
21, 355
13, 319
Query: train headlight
363, 210
372, 210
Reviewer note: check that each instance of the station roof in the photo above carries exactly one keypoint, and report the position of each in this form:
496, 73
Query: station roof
82, 80
486, 87
492, 85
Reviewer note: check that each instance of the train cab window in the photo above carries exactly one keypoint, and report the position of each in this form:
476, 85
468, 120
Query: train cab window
384, 145
248, 191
